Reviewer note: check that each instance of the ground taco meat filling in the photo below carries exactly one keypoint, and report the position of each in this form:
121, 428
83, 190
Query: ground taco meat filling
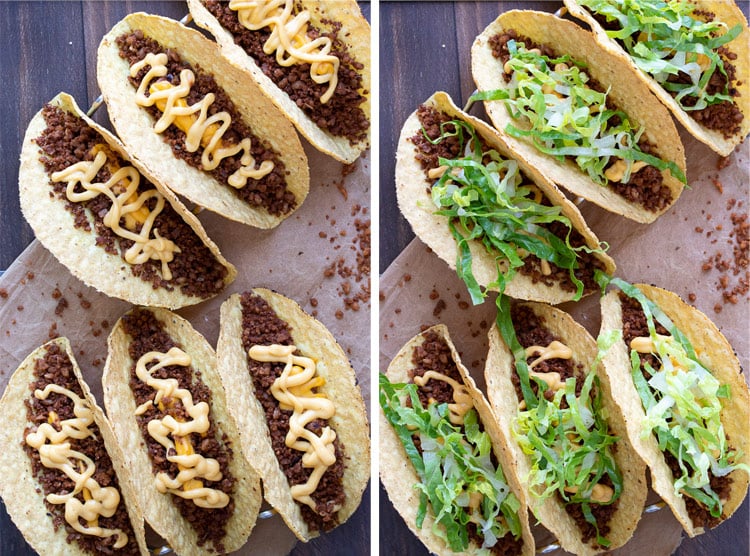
635, 325
147, 334
428, 155
646, 187
55, 367
68, 140
342, 115
530, 331
434, 354
724, 117
261, 326
269, 192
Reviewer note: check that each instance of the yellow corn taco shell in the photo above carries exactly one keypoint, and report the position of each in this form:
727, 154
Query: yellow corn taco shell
551, 512
159, 510
626, 92
349, 422
22, 493
398, 474
76, 248
354, 31
725, 11
715, 353
135, 126
415, 203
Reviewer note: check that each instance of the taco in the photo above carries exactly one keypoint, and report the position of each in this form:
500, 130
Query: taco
576, 112
311, 58
295, 398
686, 404
694, 56
198, 124
443, 458
108, 220
488, 213
585, 482
65, 481
169, 414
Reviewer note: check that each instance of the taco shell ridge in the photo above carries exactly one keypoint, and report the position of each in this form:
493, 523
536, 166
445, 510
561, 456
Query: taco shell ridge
502, 396
135, 125
416, 205
716, 354
159, 511
76, 249
626, 91
23, 496
349, 422
398, 474
354, 31
729, 13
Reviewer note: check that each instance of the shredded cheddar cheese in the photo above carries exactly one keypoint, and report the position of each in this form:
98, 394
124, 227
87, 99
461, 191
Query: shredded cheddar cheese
294, 391
201, 130
192, 467
462, 401
289, 38
55, 452
122, 189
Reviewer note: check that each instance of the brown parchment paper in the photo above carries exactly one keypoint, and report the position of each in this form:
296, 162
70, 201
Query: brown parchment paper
291, 259
418, 289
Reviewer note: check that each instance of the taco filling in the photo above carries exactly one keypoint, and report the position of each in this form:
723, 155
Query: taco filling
199, 122
189, 455
70, 462
129, 216
297, 414
681, 400
488, 199
561, 427
444, 439
571, 116
684, 49
313, 67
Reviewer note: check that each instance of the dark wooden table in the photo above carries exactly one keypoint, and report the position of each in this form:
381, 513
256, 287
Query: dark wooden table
424, 47
45, 48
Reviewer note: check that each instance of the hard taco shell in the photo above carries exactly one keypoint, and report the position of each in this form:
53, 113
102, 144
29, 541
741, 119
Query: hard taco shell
729, 13
350, 420
625, 90
715, 353
23, 495
135, 126
416, 205
354, 32
159, 511
398, 474
76, 248
502, 395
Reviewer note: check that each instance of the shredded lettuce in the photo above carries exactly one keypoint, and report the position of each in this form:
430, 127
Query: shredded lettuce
667, 38
487, 199
569, 118
454, 466
681, 399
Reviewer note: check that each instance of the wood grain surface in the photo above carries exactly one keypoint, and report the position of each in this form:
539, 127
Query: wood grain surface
424, 47
45, 48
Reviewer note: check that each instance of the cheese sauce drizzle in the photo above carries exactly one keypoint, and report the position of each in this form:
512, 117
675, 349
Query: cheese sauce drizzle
192, 467
289, 36
461, 397
55, 453
201, 130
556, 350
122, 189
294, 391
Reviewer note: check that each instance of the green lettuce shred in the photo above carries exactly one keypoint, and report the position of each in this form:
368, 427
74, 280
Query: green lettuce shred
667, 38
569, 118
455, 462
